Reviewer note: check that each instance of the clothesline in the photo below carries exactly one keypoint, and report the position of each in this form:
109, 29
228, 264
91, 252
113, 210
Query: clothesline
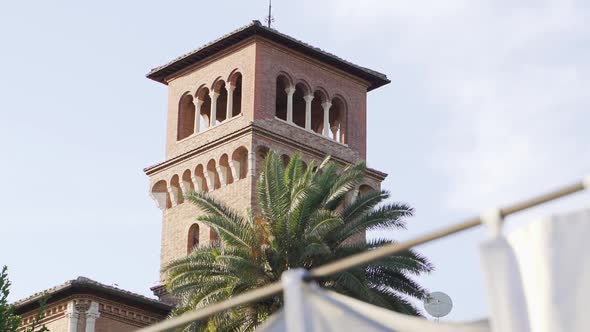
362, 259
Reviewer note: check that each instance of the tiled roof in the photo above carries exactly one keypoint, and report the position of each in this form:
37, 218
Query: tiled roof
83, 285
160, 74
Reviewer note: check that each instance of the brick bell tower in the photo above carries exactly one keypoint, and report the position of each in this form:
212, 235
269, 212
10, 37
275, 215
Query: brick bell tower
236, 98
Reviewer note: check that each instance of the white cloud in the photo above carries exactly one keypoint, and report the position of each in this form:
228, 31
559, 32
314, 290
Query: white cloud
509, 80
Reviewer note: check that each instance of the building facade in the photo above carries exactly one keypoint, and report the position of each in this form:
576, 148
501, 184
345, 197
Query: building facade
232, 101
84, 305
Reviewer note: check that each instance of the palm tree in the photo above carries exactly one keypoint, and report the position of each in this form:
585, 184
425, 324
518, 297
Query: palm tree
302, 219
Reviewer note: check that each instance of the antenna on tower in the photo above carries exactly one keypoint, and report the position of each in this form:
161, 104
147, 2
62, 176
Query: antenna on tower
269, 19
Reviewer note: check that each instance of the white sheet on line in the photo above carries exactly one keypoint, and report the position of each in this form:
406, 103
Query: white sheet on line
328, 311
538, 280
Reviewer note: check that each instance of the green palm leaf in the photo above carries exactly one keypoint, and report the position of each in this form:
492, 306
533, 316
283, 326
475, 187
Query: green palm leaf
303, 218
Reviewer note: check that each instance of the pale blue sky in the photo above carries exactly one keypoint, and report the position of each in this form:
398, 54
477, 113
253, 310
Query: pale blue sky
488, 104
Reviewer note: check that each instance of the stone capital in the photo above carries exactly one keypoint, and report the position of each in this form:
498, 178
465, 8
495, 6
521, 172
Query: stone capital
198, 102
308, 98
290, 90
74, 315
326, 105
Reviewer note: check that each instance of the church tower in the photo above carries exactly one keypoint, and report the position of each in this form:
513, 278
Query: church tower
236, 98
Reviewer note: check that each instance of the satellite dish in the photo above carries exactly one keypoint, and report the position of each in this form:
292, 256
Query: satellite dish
438, 304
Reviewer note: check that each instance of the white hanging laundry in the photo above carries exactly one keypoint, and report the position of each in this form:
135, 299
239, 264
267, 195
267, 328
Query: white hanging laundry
327, 311
508, 309
545, 265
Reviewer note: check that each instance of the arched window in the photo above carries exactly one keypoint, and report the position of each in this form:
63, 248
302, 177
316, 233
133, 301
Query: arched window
286, 159
281, 96
261, 153
365, 189
160, 195
338, 120
301, 90
213, 176
240, 162
213, 237
187, 184
221, 102
236, 82
317, 111
200, 182
225, 169
186, 117
175, 186
193, 238
205, 112
304, 165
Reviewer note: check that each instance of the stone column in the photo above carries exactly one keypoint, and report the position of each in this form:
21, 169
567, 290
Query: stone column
160, 199
334, 131
198, 182
355, 194
174, 195
198, 103
91, 315
214, 96
222, 175
230, 101
72, 316
210, 180
185, 187
308, 100
251, 163
326, 106
234, 166
290, 92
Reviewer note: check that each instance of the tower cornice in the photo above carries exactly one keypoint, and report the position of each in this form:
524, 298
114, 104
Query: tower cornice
257, 129
162, 73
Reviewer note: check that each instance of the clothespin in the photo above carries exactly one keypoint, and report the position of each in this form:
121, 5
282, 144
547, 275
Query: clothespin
492, 219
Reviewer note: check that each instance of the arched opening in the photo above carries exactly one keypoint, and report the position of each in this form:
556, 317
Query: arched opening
365, 189
186, 117
286, 159
176, 192
304, 165
281, 97
299, 104
205, 112
200, 182
221, 104
317, 111
187, 182
160, 195
261, 153
213, 237
236, 82
193, 238
240, 162
225, 169
338, 120
213, 176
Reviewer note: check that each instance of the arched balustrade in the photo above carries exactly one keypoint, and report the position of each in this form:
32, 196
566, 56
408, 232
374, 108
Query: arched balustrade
193, 238
310, 109
210, 106
203, 177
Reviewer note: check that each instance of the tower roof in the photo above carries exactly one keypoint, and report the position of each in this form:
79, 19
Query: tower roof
255, 28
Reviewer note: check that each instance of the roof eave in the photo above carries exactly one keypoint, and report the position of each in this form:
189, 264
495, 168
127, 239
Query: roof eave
160, 74
83, 287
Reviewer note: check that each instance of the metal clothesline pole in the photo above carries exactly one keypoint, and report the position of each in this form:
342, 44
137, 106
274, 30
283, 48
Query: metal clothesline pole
360, 259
